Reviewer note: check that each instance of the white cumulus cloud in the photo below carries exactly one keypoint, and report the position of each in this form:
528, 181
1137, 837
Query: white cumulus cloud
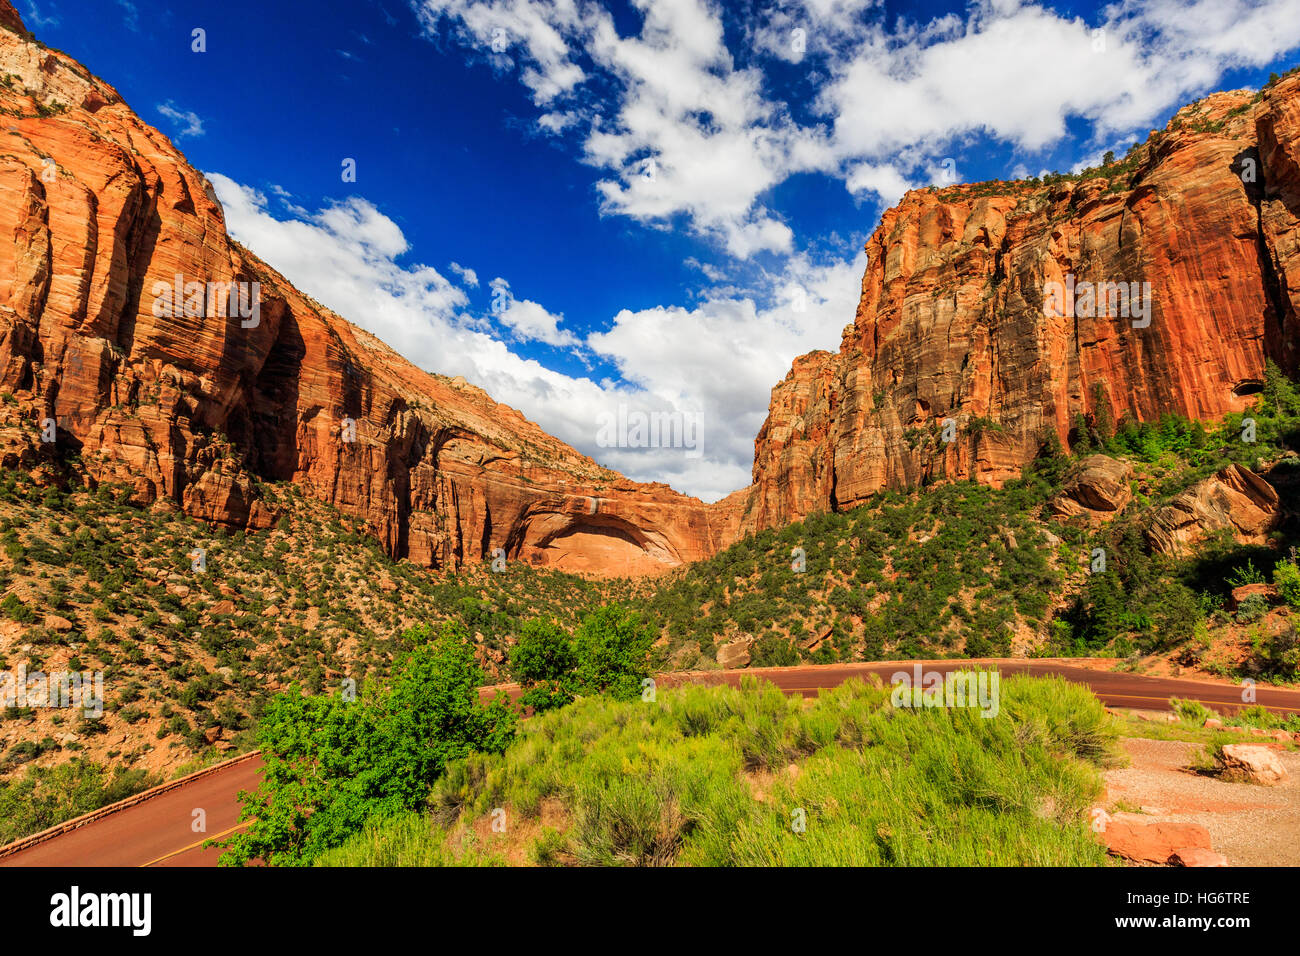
717, 360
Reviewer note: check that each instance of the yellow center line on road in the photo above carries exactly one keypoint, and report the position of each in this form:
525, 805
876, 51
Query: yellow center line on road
193, 846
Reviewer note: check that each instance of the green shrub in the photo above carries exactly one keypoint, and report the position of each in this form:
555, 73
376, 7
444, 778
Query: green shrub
612, 645
544, 661
701, 777
46, 796
1286, 577
1252, 608
333, 763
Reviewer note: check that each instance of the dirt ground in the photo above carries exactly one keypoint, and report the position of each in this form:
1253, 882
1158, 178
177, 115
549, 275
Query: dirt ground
1250, 824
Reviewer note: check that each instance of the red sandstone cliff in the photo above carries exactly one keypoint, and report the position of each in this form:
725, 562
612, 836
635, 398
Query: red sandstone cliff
952, 323
97, 207
9, 18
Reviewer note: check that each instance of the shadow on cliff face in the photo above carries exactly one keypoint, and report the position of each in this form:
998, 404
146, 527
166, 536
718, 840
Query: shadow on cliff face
1249, 170
598, 544
268, 428
139, 249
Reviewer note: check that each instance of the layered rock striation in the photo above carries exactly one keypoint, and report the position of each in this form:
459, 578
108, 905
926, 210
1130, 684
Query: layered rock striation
177, 362
974, 324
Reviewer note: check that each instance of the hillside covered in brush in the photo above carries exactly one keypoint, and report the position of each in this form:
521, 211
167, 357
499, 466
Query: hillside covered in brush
965, 569
94, 582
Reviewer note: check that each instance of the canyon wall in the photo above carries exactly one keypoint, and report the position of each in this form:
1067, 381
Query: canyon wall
100, 213
955, 332
958, 320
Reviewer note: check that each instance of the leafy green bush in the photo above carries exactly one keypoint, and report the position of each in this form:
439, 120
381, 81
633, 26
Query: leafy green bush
1246, 574
13, 606
544, 661
1286, 577
1277, 656
612, 645
774, 652
1252, 609
45, 796
334, 763
1192, 711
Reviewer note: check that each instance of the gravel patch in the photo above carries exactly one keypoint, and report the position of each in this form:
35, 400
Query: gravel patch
1250, 824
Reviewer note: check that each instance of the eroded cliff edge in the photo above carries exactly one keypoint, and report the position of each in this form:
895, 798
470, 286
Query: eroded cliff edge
97, 209
952, 321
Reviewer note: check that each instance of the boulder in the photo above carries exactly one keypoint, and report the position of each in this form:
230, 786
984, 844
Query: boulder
735, 653
1240, 594
1099, 490
813, 641
1152, 842
1233, 499
1251, 763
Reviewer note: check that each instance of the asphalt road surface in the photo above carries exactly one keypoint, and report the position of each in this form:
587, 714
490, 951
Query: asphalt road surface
159, 831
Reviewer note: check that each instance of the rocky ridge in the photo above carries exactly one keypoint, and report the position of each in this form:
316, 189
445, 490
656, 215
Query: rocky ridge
965, 324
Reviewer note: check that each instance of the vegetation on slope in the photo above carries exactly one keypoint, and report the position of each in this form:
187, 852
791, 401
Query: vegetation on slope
191, 658
45, 796
962, 569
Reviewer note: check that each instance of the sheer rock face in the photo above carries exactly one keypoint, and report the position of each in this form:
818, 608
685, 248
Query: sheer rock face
957, 318
100, 214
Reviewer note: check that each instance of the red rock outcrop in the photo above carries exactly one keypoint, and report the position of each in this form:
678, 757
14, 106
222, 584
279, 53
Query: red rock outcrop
100, 214
1153, 842
1099, 490
9, 18
957, 323
1234, 499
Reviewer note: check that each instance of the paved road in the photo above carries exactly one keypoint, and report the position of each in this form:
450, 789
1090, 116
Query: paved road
1115, 689
157, 831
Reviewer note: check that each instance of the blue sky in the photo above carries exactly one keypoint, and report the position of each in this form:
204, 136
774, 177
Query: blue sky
665, 201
